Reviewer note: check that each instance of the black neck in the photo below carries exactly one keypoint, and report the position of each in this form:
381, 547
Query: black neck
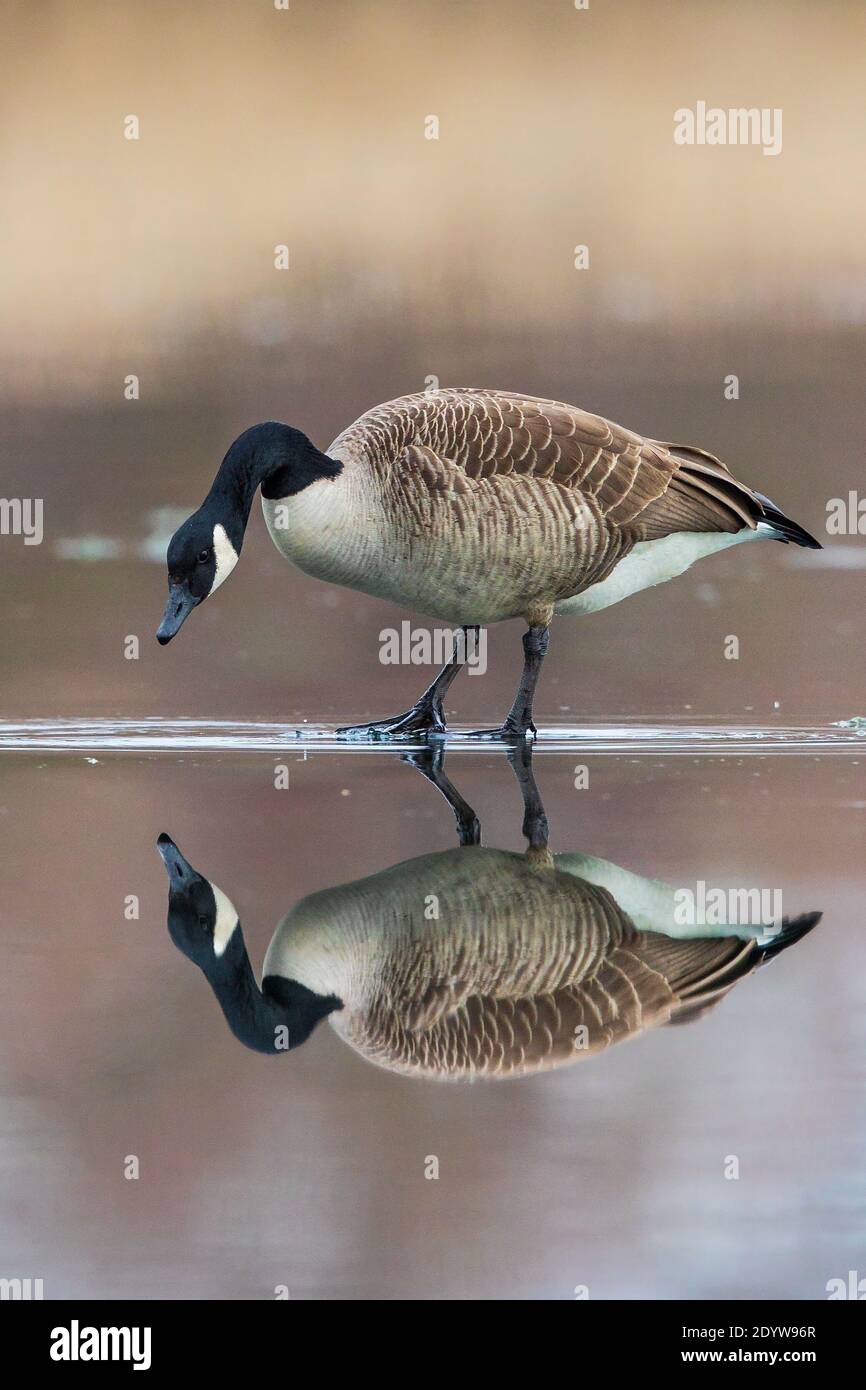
276, 1018
279, 459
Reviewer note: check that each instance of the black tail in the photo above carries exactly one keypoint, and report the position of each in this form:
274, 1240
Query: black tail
786, 529
793, 929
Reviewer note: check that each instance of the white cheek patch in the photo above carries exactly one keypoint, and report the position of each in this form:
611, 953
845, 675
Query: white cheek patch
226, 921
225, 555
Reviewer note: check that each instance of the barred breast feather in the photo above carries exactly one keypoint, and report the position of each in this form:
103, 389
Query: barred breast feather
478, 505
481, 963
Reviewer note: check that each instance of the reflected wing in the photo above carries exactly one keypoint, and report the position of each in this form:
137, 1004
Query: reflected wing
646, 981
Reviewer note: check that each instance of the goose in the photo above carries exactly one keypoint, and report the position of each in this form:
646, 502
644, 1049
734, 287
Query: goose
472, 506
472, 962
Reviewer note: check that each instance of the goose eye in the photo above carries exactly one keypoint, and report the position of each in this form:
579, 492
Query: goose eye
204, 555
203, 923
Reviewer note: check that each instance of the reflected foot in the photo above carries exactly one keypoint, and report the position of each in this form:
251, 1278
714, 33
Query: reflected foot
424, 718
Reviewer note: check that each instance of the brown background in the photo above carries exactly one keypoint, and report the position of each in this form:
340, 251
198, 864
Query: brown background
412, 257
308, 1169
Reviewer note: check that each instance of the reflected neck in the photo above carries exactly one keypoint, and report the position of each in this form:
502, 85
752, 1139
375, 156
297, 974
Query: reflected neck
276, 1018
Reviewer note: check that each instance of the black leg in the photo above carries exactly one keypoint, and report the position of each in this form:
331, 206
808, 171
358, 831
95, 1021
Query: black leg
430, 762
426, 715
518, 722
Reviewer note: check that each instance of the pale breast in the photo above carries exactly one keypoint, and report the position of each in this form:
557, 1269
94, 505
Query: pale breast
335, 529
449, 962
474, 506
438, 509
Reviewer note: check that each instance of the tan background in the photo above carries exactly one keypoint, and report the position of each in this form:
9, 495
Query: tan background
411, 257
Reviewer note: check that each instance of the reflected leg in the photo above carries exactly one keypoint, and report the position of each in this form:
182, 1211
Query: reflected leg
535, 825
429, 763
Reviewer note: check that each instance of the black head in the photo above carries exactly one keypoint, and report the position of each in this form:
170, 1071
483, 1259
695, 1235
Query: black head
203, 551
200, 556
203, 924
201, 919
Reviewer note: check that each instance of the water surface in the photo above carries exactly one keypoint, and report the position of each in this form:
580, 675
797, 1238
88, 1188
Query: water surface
308, 1169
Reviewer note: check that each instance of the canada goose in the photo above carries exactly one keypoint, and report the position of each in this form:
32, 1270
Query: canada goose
472, 506
470, 962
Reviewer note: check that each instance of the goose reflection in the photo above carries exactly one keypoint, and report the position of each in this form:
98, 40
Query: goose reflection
470, 962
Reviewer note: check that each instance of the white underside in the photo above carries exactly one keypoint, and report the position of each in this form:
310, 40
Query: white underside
654, 562
329, 532
651, 904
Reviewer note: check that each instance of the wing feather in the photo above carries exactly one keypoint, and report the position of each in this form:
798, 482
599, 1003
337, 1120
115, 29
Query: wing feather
645, 486
644, 980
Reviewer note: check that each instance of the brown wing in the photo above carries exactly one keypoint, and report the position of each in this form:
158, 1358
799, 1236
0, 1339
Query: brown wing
489, 434
463, 436
644, 982
702, 495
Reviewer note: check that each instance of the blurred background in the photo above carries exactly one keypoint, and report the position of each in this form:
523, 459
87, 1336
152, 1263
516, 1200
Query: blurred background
411, 258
